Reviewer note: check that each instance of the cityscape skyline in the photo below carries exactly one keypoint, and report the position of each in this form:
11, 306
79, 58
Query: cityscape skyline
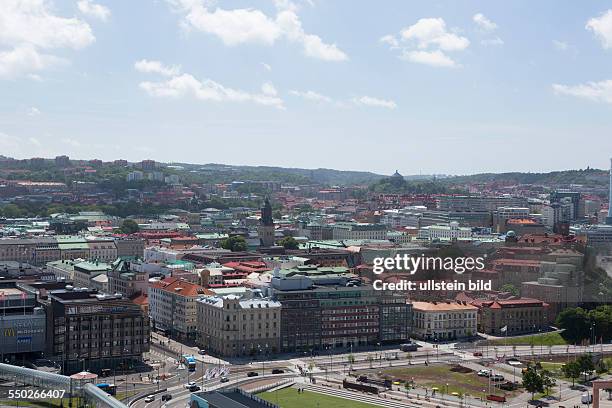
435, 86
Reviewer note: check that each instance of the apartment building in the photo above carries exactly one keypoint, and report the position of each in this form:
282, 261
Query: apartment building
172, 306
479, 203
235, 325
448, 232
516, 316
124, 279
359, 230
440, 321
326, 307
87, 330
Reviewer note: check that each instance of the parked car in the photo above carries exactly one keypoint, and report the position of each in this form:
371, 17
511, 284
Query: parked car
483, 373
586, 398
497, 377
189, 384
224, 379
477, 354
166, 397
201, 352
194, 388
150, 398
252, 374
277, 371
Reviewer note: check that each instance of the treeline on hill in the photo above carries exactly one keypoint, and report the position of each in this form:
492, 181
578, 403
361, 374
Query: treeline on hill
586, 176
396, 185
227, 173
125, 209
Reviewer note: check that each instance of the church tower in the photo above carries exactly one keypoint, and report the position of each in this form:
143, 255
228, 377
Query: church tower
266, 225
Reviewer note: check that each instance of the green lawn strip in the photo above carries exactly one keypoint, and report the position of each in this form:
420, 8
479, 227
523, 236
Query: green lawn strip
289, 398
546, 339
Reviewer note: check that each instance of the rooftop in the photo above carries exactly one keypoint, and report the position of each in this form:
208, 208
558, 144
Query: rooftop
441, 306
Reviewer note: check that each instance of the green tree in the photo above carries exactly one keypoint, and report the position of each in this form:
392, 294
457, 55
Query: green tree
510, 288
548, 381
129, 226
585, 362
289, 243
576, 324
532, 381
234, 243
12, 211
572, 370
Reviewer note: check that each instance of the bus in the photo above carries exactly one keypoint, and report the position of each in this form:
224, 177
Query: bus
108, 388
189, 362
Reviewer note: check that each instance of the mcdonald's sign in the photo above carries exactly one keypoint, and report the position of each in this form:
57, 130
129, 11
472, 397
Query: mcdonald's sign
9, 332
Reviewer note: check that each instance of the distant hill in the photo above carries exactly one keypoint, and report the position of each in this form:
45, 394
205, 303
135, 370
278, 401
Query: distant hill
587, 177
229, 173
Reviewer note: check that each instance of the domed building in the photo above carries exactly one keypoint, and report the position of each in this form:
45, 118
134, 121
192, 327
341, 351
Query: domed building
397, 179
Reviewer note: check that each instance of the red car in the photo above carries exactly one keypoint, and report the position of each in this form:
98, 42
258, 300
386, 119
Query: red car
477, 354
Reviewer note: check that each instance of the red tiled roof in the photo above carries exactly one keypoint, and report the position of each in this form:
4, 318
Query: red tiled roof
178, 285
141, 299
519, 262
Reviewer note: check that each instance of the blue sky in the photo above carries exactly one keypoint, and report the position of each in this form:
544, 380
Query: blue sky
419, 86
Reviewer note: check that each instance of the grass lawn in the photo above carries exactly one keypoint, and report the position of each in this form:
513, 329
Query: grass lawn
289, 398
545, 339
440, 375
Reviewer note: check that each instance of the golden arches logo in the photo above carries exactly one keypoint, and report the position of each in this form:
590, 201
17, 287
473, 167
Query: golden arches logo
9, 332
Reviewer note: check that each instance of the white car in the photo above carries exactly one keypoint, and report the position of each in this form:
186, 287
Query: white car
190, 384
483, 373
150, 398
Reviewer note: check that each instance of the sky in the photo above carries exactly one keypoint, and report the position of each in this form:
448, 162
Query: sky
422, 87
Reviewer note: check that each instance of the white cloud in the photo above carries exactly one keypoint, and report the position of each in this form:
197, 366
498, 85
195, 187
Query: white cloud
371, 101
427, 42
267, 67
71, 142
21, 146
487, 27
24, 60
560, 45
243, 26
268, 89
391, 40
316, 97
596, 91
27, 27
185, 85
432, 32
492, 41
94, 10
433, 58
484, 23
311, 96
31, 22
156, 67
602, 28
33, 111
